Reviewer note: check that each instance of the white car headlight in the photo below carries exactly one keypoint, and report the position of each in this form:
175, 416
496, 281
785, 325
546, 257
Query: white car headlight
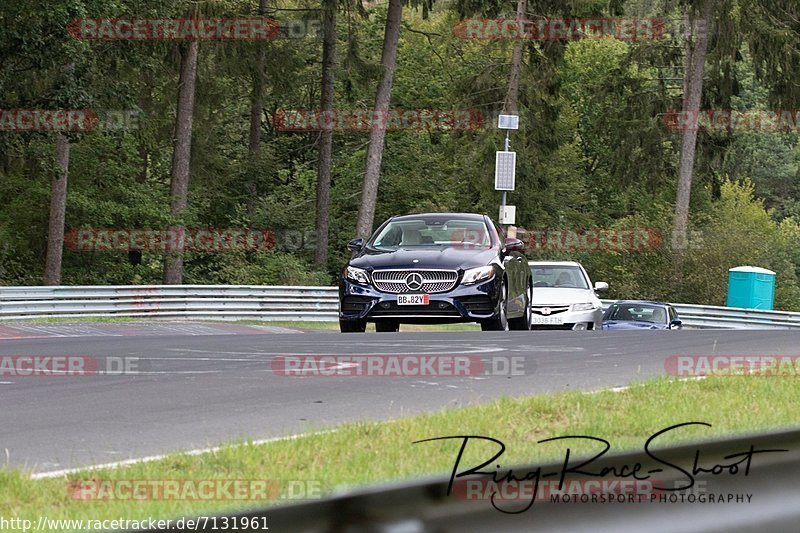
356, 274
584, 307
474, 275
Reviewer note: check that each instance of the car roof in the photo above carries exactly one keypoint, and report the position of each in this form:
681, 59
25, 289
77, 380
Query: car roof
647, 302
476, 216
553, 263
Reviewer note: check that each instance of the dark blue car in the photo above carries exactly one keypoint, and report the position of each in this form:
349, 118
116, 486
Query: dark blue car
434, 268
638, 315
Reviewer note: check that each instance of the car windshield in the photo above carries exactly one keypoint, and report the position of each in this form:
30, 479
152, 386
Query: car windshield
637, 313
566, 277
432, 232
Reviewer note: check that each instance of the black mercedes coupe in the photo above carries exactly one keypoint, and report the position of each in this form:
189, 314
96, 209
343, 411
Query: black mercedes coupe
436, 268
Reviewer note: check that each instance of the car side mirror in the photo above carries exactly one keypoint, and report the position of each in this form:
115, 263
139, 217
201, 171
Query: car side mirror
355, 245
600, 286
676, 324
514, 245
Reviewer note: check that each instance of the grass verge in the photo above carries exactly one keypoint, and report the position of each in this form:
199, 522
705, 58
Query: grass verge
368, 453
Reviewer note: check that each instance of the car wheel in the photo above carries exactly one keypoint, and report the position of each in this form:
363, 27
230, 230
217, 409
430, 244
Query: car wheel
352, 326
523, 323
500, 322
387, 327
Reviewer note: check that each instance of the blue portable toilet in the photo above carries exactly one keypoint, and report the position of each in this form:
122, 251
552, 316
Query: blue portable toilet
751, 287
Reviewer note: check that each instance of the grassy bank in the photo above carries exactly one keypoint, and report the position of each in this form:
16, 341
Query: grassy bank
368, 453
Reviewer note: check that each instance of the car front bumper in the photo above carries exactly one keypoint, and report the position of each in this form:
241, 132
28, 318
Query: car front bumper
567, 320
463, 303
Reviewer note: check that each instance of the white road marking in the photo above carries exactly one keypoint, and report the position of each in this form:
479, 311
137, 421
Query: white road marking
537, 348
150, 459
458, 350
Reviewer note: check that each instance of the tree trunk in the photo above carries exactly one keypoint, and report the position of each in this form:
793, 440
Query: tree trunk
369, 193
58, 207
181, 157
256, 110
144, 159
688, 49
511, 104
325, 153
693, 84
257, 100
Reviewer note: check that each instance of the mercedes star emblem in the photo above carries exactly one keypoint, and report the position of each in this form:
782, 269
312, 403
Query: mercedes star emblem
414, 281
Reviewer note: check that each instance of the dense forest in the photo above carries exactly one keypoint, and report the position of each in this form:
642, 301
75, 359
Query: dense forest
172, 134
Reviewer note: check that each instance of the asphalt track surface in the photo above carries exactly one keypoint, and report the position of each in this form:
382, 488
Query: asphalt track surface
217, 385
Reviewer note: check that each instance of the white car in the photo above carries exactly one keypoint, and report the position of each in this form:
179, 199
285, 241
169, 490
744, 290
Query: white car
564, 297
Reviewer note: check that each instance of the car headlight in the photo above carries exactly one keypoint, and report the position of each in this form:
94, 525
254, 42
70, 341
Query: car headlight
474, 275
358, 275
584, 307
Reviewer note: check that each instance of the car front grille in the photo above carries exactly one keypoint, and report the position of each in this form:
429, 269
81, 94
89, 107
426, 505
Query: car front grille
545, 310
437, 309
432, 281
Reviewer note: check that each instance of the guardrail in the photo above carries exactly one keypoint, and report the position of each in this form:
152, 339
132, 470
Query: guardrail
218, 302
262, 302
716, 317
761, 498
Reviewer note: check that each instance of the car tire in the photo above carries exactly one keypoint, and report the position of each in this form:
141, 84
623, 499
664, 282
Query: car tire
523, 323
352, 326
500, 322
387, 327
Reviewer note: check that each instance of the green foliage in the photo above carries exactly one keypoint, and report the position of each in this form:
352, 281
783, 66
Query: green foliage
741, 232
259, 268
738, 231
592, 149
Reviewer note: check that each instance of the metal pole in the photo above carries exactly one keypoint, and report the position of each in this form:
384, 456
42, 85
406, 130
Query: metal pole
503, 205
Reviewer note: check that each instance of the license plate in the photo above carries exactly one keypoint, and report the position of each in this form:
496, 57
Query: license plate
413, 299
548, 320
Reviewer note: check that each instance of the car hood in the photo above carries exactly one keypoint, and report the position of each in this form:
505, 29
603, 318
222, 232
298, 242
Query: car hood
561, 296
628, 324
448, 258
